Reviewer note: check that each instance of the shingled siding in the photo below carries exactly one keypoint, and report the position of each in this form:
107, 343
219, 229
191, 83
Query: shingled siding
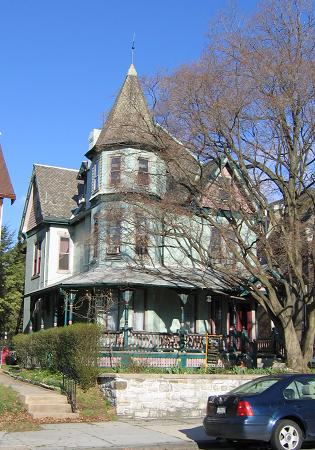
160, 396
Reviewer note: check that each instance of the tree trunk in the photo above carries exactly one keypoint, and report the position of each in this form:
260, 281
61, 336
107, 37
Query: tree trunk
294, 354
309, 336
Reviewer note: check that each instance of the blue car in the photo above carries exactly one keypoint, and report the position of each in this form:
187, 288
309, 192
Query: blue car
278, 409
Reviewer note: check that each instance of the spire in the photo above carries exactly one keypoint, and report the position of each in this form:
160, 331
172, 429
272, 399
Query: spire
132, 71
129, 121
6, 189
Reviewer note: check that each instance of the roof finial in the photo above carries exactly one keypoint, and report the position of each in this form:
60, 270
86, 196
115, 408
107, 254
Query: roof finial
133, 48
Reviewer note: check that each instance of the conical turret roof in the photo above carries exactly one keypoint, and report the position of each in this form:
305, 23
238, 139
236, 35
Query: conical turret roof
129, 121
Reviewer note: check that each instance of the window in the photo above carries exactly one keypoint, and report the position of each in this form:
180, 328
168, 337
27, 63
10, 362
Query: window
96, 170
115, 170
143, 172
95, 237
113, 238
141, 233
221, 249
64, 250
215, 247
37, 258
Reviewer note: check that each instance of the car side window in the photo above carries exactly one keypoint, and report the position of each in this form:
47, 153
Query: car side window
307, 388
291, 392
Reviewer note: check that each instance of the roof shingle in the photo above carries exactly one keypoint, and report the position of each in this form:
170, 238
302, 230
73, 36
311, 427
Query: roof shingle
58, 191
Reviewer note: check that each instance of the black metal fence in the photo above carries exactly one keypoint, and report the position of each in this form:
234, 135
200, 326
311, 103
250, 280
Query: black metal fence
69, 388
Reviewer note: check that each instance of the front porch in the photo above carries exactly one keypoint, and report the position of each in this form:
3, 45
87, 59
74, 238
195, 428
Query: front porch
169, 322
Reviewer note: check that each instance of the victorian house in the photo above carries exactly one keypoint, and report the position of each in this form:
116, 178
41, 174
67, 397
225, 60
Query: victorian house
97, 250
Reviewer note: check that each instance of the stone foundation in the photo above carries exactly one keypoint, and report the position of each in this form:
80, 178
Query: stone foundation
165, 396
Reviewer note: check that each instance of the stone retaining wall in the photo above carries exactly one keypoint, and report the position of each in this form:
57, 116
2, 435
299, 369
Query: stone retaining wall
158, 396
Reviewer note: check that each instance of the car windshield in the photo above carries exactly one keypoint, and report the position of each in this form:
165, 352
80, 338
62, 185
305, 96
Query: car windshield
255, 386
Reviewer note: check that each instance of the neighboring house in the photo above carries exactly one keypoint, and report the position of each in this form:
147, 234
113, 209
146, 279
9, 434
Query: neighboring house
6, 189
89, 254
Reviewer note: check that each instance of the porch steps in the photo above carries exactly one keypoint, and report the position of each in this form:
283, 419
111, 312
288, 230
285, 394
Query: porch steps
48, 405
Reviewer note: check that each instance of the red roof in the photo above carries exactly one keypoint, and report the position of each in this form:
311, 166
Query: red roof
6, 188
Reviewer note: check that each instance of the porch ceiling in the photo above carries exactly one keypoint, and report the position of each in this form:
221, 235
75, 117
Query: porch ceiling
159, 277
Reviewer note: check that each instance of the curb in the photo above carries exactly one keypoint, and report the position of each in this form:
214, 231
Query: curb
165, 446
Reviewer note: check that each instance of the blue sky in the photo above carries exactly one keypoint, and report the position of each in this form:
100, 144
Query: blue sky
63, 62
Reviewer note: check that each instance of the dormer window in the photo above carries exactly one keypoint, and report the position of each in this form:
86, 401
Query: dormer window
143, 172
96, 175
115, 171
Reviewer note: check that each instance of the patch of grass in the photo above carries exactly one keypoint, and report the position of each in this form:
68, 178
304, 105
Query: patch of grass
53, 379
92, 406
13, 416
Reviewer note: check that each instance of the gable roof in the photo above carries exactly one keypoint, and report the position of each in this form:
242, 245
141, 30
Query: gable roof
6, 188
129, 121
52, 195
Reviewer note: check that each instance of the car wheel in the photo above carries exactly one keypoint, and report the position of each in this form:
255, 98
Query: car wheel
286, 435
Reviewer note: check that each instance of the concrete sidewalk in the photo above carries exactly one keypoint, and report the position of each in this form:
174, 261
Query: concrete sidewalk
183, 434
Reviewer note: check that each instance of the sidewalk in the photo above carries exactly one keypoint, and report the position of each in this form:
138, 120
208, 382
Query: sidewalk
183, 434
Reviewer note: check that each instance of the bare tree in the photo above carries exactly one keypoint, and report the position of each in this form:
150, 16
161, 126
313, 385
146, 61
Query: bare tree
249, 102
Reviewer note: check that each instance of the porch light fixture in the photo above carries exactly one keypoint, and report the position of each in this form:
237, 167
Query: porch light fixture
208, 299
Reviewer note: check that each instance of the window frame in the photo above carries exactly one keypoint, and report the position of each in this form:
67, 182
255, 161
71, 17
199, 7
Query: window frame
143, 175
37, 259
141, 237
96, 176
95, 237
113, 240
113, 170
63, 254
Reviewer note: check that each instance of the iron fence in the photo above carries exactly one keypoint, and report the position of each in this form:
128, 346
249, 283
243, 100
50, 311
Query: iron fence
69, 388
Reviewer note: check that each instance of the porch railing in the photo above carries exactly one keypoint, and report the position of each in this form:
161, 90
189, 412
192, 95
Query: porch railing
147, 341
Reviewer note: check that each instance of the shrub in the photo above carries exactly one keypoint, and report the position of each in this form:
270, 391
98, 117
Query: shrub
79, 352
72, 350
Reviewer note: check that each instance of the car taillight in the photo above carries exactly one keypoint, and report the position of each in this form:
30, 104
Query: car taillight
244, 409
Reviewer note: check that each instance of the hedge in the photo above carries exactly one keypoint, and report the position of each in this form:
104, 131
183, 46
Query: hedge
72, 350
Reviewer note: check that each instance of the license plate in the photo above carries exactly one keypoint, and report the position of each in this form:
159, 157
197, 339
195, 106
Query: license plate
221, 410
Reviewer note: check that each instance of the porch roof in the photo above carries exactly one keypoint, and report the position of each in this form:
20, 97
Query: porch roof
133, 276
158, 277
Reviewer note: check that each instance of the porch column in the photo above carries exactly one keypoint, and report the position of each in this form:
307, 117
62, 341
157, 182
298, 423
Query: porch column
55, 316
183, 299
71, 300
182, 330
66, 300
126, 296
